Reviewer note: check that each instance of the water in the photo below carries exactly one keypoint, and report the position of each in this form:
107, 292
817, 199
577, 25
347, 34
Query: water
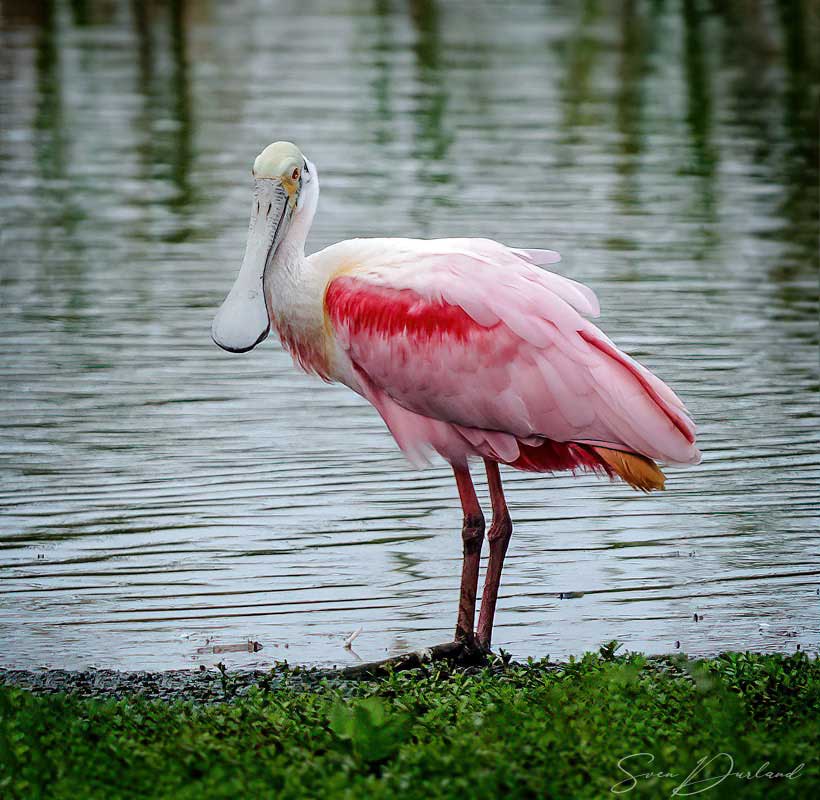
158, 494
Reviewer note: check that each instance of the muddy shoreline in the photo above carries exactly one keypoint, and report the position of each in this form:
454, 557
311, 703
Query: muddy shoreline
197, 685
201, 686
217, 684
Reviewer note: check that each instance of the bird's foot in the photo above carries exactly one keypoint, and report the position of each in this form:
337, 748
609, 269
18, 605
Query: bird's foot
471, 650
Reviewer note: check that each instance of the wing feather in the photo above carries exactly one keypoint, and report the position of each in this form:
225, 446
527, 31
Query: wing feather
473, 334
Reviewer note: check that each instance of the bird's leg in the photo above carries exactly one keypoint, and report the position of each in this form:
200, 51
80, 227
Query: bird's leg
472, 535
499, 538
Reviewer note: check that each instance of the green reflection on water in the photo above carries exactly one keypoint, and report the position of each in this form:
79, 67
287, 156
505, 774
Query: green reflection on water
166, 123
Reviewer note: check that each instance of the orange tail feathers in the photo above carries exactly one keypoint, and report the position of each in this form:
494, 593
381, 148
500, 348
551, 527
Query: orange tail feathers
638, 471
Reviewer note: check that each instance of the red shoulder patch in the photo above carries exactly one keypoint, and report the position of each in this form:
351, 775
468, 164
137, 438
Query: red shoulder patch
363, 308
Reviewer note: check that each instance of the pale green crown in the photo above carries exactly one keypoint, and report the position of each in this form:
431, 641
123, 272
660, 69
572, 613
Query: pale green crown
278, 160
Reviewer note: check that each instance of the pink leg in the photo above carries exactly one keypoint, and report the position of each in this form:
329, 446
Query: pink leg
472, 534
499, 538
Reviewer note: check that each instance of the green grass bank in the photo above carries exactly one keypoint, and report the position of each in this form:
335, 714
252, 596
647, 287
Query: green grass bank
600, 726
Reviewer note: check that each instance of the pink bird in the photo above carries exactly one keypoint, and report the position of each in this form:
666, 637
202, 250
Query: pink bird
466, 348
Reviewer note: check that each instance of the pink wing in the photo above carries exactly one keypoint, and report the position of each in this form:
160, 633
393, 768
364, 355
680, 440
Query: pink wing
474, 335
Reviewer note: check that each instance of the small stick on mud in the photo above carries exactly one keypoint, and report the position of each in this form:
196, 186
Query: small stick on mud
249, 647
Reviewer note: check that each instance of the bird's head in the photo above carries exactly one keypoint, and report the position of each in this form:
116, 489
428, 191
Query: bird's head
284, 199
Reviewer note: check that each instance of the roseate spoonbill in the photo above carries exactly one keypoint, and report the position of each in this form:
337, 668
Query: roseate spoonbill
466, 347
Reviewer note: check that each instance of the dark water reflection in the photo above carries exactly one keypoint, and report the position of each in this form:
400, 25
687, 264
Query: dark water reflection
157, 492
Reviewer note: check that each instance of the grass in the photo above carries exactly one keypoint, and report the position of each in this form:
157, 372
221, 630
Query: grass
523, 731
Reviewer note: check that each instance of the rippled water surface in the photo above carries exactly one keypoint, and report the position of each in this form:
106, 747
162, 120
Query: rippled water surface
159, 495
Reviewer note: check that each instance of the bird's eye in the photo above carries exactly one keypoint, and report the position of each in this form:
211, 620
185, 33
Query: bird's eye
295, 175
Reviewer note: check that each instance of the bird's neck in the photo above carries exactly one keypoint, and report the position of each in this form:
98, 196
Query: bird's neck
286, 272
303, 218
293, 294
